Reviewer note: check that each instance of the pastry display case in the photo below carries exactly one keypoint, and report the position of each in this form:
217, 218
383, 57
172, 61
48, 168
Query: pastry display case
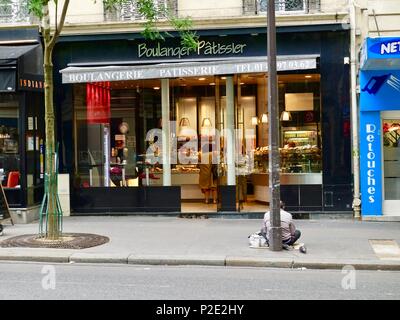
300, 153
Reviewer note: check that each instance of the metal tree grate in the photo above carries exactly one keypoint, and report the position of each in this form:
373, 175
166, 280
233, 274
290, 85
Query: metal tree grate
68, 241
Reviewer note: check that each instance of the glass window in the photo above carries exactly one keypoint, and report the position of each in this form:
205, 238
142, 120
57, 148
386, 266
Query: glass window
9, 141
300, 125
111, 124
34, 126
391, 156
299, 100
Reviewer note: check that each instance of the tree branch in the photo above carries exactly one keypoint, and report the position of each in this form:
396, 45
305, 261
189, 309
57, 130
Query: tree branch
56, 17
60, 24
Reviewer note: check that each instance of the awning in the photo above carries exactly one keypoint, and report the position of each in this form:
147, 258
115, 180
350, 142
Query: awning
9, 56
14, 52
186, 69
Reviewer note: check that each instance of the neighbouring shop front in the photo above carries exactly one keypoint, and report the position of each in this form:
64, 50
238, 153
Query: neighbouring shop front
137, 118
380, 127
21, 121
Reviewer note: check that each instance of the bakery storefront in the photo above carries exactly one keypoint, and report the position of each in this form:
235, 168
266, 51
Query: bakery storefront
137, 118
21, 121
380, 127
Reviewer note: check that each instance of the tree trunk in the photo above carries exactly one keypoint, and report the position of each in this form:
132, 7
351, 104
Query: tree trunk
51, 200
50, 165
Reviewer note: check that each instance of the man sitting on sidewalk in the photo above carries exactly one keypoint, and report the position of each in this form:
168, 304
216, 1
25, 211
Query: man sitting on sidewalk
289, 233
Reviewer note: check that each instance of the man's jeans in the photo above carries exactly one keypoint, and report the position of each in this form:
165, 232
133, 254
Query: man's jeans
293, 239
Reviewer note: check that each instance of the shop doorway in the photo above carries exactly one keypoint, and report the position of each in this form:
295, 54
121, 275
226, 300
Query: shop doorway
193, 110
391, 162
205, 111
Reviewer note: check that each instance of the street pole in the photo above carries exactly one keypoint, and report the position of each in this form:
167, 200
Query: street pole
354, 112
273, 134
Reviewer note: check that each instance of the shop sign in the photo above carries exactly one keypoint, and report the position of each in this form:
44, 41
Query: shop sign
380, 90
223, 67
380, 53
388, 47
30, 82
204, 48
370, 163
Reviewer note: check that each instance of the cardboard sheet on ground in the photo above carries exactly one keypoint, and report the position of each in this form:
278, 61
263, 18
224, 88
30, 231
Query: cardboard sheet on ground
296, 246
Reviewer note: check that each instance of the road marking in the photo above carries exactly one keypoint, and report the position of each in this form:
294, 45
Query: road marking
386, 249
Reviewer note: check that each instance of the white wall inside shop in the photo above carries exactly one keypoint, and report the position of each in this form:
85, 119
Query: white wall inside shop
79, 11
262, 108
64, 193
207, 111
210, 8
186, 108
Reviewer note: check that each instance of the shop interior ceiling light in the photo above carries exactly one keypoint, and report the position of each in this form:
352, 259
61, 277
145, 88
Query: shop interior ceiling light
286, 116
264, 118
206, 123
254, 121
184, 122
185, 130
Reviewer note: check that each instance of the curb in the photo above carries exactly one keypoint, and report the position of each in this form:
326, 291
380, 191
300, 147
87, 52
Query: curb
177, 260
357, 265
34, 256
195, 260
98, 258
258, 262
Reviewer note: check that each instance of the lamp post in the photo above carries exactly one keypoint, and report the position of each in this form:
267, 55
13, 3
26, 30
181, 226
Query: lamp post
273, 134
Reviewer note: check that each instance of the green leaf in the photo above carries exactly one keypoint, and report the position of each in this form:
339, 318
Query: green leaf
36, 7
148, 10
111, 4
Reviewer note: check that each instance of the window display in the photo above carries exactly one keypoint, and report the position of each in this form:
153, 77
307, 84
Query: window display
300, 152
118, 141
9, 137
108, 119
300, 141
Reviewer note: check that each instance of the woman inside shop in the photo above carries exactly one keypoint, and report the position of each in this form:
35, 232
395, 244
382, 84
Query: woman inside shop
208, 175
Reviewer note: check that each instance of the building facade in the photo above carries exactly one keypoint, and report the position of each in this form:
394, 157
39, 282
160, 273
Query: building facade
104, 119
380, 126
21, 120
144, 85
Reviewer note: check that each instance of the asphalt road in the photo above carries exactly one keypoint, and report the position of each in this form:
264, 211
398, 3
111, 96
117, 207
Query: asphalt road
85, 281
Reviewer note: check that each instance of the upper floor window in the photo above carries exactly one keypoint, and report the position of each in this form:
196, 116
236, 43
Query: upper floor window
281, 6
128, 10
13, 11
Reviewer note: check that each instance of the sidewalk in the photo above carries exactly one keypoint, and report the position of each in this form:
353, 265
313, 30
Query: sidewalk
331, 244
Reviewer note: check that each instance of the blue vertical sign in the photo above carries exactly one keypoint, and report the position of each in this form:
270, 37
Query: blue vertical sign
379, 91
371, 163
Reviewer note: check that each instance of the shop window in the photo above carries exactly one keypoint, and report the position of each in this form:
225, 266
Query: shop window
112, 120
300, 126
391, 156
35, 146
9, 141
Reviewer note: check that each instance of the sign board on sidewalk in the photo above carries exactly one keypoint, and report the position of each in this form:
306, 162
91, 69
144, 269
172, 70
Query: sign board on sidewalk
4, 209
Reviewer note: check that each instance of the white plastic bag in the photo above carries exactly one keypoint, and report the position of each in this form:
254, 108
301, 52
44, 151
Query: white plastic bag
257, 241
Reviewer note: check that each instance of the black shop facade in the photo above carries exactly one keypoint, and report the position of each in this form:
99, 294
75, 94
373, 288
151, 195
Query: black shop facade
136, 120
22, 121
